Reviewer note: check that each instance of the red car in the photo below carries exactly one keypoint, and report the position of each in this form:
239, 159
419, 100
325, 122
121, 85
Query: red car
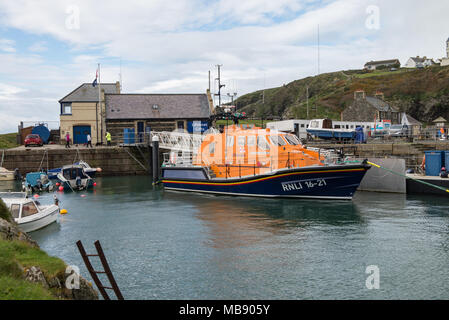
33, 139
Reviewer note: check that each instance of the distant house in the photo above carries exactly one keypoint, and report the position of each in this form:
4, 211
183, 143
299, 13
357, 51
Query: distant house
374, 65
368, 109
80, 113
418, 62
158, 112
440, 122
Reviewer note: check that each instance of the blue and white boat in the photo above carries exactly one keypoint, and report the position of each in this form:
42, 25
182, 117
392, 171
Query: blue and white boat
323, 129
74, 178
53, 173
37, 182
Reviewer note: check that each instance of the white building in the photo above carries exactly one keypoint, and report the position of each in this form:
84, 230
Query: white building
418, 62
445, 61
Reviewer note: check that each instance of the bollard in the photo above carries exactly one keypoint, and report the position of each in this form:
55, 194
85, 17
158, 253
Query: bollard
155, 162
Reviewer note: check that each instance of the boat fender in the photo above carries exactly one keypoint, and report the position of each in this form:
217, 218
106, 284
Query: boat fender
423, 163
63, 211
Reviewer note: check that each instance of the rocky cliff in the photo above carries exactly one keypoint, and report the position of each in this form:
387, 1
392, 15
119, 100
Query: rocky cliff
422, 93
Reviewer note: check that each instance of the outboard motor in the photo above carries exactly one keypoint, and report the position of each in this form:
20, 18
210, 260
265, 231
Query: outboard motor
17, 174
39, 184
78, 182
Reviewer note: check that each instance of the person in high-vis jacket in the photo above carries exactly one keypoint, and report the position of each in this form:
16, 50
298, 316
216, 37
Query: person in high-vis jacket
108, 138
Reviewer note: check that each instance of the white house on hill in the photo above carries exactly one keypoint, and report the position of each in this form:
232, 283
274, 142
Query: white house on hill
418, 62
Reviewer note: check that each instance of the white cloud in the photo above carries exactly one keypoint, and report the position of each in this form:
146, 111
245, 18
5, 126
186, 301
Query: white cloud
169, 46
40, 46
7, 45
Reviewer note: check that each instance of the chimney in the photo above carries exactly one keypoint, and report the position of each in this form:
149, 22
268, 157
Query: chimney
359, 95
117, 87
380, 95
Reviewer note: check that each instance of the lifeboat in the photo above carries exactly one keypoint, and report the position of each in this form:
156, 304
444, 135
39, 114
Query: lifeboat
258, 162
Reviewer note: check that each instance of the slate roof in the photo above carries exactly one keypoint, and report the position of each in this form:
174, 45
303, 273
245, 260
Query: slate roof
169, 106
380, 104
87, 93
411, 120
439, 119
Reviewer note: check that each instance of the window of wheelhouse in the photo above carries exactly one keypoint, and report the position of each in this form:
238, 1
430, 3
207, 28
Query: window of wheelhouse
262, 143
241, 141
15, 210
291, 139
251, 141
28, 209
277, 140
230, 141
212, 148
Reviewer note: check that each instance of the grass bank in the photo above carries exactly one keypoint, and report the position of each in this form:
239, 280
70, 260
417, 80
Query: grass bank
8, 140
15, 257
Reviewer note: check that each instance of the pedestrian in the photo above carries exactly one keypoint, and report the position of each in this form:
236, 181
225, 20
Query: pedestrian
108, 138
443, 173
67, 140
89, 141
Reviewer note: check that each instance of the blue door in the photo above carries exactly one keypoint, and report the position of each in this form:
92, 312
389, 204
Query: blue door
140, 132
80, 134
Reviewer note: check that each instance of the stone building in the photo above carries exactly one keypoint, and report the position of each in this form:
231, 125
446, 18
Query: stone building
368, 109
81, 114
156, 112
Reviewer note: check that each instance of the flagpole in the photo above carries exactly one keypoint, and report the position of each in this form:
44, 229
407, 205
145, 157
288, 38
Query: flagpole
99, 103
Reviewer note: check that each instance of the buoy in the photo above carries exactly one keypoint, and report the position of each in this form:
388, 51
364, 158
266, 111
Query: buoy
61, 188
83, 195
36, 196
95, 184
57, 184
63, 211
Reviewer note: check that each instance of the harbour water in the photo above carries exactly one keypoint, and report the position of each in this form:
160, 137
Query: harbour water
168, 245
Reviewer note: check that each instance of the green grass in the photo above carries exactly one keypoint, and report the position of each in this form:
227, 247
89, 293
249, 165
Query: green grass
12, 283
18, 289
4, 212
8, 140
378, 73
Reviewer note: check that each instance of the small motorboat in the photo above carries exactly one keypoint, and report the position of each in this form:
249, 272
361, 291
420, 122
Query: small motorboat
323, 129
28, 213
53, 173
37, 182
6, 175
74, 177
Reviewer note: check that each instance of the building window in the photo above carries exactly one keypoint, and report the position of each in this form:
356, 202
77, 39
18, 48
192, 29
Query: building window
66, 108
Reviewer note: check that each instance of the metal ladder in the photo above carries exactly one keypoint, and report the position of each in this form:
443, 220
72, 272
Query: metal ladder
94, 273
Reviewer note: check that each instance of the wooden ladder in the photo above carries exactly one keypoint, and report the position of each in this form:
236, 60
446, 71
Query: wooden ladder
94, 273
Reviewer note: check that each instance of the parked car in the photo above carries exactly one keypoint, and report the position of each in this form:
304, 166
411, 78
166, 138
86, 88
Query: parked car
399, 130
33, 139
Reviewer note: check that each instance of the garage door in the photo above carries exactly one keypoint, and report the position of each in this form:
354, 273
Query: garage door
80, 134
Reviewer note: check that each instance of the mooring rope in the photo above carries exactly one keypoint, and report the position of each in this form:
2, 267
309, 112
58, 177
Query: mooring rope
407, 177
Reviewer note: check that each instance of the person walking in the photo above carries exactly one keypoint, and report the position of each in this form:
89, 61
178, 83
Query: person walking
108, 138
67, 140
89, 141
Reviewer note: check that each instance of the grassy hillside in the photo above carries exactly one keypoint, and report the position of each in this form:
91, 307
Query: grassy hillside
423, 93
8, 140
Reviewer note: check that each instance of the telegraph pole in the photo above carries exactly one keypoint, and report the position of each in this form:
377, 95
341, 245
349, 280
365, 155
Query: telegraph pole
219, 85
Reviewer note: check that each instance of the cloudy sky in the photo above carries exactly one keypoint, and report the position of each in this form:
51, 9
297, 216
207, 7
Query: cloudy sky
49, 47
